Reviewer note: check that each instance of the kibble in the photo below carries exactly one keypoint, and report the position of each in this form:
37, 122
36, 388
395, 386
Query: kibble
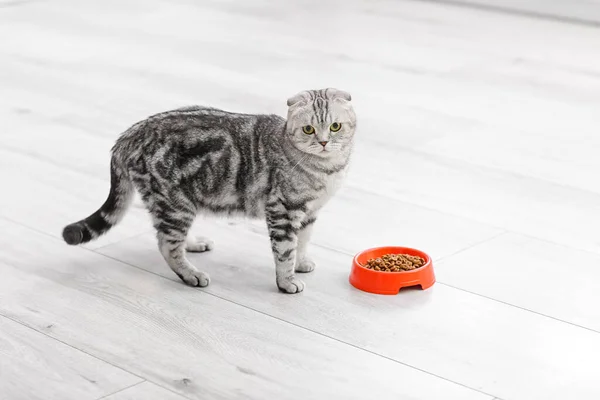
395, 263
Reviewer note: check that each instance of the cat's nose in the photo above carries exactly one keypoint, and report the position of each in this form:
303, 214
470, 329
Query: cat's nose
323, 143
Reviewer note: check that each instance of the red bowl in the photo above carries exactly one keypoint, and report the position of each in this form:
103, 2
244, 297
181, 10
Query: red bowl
381, 282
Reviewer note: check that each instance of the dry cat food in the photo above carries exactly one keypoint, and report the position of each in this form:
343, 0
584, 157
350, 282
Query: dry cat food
395, 263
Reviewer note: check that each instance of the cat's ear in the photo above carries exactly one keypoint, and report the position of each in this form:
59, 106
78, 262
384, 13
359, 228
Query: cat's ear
338, 94
302, 96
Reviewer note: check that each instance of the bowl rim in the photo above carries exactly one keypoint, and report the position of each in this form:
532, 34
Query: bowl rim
427, 260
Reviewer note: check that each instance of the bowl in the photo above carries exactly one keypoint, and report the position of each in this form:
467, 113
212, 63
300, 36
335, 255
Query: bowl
381, 282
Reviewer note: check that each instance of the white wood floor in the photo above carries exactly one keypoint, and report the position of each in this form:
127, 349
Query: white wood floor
479, 142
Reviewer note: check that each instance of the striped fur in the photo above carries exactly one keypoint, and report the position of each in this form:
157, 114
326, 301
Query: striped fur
204, 160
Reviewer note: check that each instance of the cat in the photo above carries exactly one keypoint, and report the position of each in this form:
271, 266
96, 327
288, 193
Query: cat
199, 159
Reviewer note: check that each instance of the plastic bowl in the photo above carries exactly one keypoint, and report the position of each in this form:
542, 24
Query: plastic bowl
381, 282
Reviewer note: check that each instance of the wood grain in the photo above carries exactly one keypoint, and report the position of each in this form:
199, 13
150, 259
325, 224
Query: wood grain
144, 391
34, 366
584, 12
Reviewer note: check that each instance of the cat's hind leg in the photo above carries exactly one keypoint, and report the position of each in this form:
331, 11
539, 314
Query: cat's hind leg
198, 244
172, 223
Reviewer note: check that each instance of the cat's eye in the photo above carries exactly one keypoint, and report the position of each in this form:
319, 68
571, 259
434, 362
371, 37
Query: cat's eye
336, 126
308, 129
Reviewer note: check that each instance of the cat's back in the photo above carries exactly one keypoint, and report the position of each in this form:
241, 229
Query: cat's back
192, 122
198, 120
192, 125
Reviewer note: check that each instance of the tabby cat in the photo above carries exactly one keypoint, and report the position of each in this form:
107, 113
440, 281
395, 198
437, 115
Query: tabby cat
199, 159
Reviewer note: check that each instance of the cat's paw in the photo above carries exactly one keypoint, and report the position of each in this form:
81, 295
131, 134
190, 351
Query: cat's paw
198, 244
290, 285
306, 265
194, 278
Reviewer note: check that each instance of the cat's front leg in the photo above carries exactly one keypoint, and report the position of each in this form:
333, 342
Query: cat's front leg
284, 242
303, 262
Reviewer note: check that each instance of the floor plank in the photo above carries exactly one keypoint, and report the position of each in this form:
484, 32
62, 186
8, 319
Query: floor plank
574, 11
478, 342
544, 277
195, 344
144, 391
34, 366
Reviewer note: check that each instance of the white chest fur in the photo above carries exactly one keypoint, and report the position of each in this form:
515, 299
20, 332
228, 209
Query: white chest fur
331, 185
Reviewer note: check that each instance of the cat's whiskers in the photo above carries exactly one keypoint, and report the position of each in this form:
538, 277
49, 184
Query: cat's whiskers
299, 161
315, 149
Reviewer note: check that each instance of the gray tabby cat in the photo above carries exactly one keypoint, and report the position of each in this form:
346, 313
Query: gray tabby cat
200, 159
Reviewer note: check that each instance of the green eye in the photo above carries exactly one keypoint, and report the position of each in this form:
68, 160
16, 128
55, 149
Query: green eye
308, 129
336, 126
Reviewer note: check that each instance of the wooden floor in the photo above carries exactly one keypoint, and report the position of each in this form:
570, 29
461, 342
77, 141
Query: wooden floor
478, 142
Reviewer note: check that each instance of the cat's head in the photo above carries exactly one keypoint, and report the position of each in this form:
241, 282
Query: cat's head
321, 122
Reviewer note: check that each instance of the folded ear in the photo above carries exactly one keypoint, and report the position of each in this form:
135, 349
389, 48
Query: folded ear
338, 94
302, 96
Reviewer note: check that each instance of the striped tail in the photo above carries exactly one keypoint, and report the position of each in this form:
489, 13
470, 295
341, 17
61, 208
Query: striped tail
111, 212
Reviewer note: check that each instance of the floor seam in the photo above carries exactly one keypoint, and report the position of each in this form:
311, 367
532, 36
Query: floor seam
479, 243
127, 238
93, 356
41, 232
121, 390
515, 12
547, 241
3, 315
424, 207
521, 308
457, 162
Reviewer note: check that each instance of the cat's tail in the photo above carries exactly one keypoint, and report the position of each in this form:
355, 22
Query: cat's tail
111, 212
